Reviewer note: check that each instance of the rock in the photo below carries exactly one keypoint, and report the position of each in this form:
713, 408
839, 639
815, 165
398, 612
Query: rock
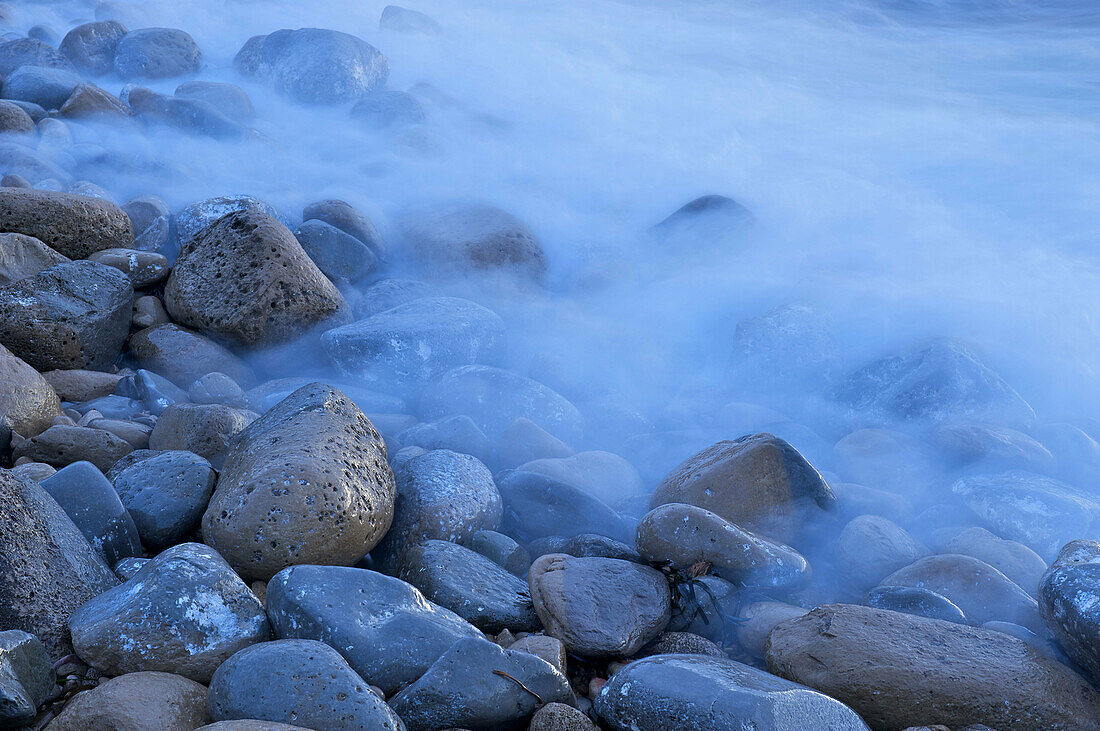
157, 393
440, 494
471, 586
456, 433
133, 433
62, 445
709, 216
194, 218
15, 121
854, 500
312, 460
681, 643
88, 101
869, 549
387, 109
91, 502
29, 52
1076, 454
156, 53
143, 267
26, 677
342, 257
560, 717
403, 20
603, 475
148, 311
24, 256
314, 65
28, 404
978, 446
599, 607
193, 116
684, 535
898, 670
389, 293
475, 239
937, 382
537, 506
73, 225
205, 429
246, 280
416, 343
230, 99
33, 166
297, 681
524, 441
251, 725
387, 630
263, 397
981, 591
79, 385
50, 569
33, 471
1042, 513
915, 600
790, 349
216, 388
1015, 560
183, 612
345, 217
584, 545
758, 482
494, 398
137, 701
758, 619
165, 493
682, 692
465, 688
548, 648
501, 550
91, 46
127, 567
46, 87
1069, 600
184, 356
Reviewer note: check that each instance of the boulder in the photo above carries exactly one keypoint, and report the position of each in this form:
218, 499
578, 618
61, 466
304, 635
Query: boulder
758, 619
246, 280
602, 475
144, 268
314, 65
26, 677
1014, 560
899, 670
387, 109
524, 441
88, 498
23, 256
341, 256
915, 600
789, 349
599, 607
758, 482
91, 46
387, 630
14, 120
184, 612
869, 549
73, 225
46, 87
193, 218
50, 569
345, 217
312, 460
456, 433
679, 692
230, 99
386, 294
1069, 600
205, 429
62, 445
404, 20
79, 385
28, 404
166, 493
537, 506
184, 356
137, 701
30, 52
156, 53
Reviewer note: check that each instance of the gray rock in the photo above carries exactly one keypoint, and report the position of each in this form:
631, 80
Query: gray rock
599, 607
602, 475
939, 381
416, 343
46, 87
30, 52
1014, 560
184, 612
345, 217
192, 219
388, 109
127, 567
757, 620
72, 315
136, 701
470, 585
684, 535
456, 433
49, 568
313, 460
91, 46
869, 549
89, 499
988, 448
464, 688
230, 99
712, 216
24, 256
184, 356
501, 550
165, 493
403, 20
1076, 454
144, 268
387, 630
792, 349
525, 441
314, 65
915, 600
205, 429
26, 677
341, 256
299, 682
14, 120
80, 385
156, 53
687, 692
62, 445
585, 545
389, 293
28, 404
216, 388
681, 643
537, 506
1069, 600
440, 494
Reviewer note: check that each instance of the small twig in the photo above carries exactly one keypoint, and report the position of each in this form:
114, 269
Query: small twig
503, 674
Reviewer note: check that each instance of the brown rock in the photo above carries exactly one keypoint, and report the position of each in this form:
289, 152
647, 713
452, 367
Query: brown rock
62, 445
1014, 560
23, 256
246, 280
205, 429
28, 404
79, 385
149, 311
313, 460
899, 670
758, 482
14, 120
142, 267
183, 356
33, 471
560, 717
137, 435
135, 702
89, 101
548, 648
74, 225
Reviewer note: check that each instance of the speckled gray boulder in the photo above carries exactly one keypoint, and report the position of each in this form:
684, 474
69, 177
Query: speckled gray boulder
689, 692
307, 482
471, 586
26, 677
599, 607
1069, 600
184, 612
30, 52
387, 630
463, 689
166, 493
193, 218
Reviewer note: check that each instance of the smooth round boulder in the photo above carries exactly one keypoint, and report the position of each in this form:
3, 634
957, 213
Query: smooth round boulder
91, 46
46, 87
307, 482
230, 99
144, 268
30, 52
386, 294
86, 495
184, 356
195, 217
341, 256
1014, 560
14, 120
62, 445
869, 549
73, 225
345, 217
537, 506
144, 700
156, 53
166, 493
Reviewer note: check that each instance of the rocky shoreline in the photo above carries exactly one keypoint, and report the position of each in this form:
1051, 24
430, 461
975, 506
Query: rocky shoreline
266, 470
